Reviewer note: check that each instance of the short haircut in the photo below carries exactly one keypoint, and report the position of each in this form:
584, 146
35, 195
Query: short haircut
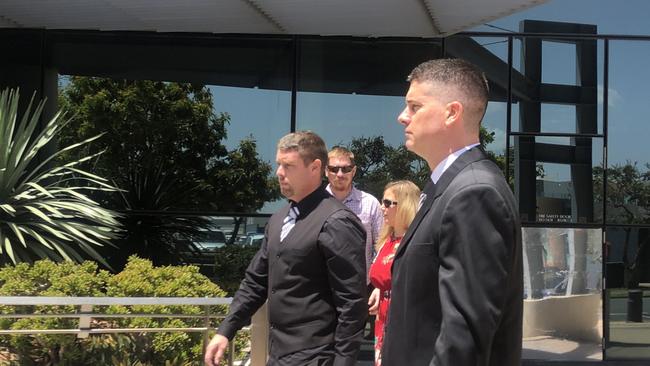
458, 73
341, 152
308, 145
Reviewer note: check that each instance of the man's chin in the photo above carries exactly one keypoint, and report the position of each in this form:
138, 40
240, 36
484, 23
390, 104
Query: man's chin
409, 145
286, 193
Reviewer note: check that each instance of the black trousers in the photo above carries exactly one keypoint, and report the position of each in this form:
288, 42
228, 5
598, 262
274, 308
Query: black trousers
317, 356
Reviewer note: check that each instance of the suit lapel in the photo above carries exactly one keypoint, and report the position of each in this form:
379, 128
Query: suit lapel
433, 191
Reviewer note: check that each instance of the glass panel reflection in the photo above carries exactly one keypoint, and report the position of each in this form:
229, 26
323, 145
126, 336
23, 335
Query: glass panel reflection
548, 96
558, 179
355, 88
562, 293
628, 180
628, 293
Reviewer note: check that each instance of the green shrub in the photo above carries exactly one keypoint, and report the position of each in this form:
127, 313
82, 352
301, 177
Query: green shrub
231, 262
139, 278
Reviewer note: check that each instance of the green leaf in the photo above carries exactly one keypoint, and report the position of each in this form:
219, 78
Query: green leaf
9, 249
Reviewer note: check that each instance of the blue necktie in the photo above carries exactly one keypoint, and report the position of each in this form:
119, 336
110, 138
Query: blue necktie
289, 222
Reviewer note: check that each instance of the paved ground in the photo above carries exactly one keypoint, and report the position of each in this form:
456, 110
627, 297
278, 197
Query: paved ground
627, 341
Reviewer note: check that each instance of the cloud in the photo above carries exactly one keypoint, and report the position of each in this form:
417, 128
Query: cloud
613, 96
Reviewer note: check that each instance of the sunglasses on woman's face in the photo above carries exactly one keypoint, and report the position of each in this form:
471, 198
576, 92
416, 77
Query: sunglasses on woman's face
388, 203
335, 169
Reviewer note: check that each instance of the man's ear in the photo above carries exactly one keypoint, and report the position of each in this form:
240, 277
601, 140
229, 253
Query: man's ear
454, 112
317, 164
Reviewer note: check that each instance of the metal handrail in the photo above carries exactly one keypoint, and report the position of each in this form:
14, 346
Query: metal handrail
86, 315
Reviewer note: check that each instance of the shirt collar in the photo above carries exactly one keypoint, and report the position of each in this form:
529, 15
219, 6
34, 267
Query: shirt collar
354, 195
446, 163
307, 204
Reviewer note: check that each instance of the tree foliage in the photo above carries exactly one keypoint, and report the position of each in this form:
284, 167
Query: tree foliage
628, 192
163, 147
379, 163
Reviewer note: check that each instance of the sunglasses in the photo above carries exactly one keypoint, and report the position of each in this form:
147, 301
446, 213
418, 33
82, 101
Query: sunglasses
335, 169
388, 203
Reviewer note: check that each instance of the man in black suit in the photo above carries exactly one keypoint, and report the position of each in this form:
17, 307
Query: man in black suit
311, 268
457, 291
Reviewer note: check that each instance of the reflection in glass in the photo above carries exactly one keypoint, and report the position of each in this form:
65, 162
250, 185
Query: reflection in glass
558, 179
548, 96
555, 58
628, 179
353, 89
628, 292
266, 122
562, 293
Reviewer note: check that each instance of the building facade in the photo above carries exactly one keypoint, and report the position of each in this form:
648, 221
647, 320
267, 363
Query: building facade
566, 116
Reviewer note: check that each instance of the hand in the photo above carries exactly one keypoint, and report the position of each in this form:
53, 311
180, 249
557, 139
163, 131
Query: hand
215, 350
373, 302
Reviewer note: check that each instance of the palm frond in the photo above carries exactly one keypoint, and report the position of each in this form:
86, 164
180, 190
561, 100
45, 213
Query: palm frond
45, 210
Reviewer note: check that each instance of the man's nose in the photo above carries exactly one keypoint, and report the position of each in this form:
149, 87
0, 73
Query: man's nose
403, 118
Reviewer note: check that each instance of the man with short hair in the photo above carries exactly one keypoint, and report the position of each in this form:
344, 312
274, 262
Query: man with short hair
457, 291
341, 170
310, 267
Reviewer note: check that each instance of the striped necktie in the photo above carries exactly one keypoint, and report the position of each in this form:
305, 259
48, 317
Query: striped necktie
289, 222
429, 188
423, 197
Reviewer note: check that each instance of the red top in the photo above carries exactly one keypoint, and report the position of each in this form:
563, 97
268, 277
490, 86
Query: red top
380, 277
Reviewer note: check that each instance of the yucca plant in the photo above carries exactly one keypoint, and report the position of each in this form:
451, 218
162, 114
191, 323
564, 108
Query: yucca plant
45, 209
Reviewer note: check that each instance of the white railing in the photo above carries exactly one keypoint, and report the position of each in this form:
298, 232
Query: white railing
85, 315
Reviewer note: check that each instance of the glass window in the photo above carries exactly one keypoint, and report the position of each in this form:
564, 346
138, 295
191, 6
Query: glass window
355, 88
558, 179
562, 293
202, 115
628, 292
628, 179
549, 96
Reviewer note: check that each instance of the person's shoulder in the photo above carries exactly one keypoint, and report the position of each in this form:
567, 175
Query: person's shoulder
337, 210
367, 197
480, 176
480, 172
331, 204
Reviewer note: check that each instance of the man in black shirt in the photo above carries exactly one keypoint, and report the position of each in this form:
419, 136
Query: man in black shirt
311, 268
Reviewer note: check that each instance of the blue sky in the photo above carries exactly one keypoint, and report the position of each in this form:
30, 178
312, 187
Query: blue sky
628, 67
338, 116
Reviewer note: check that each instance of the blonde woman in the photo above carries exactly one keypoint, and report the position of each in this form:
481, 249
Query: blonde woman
399, 205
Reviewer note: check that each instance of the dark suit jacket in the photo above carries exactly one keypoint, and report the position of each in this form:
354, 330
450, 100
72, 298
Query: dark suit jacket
457, 290
314, 281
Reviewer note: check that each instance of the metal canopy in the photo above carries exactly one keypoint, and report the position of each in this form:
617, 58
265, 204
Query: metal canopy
364, 18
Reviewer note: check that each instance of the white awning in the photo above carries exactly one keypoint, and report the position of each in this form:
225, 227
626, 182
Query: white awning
365, 18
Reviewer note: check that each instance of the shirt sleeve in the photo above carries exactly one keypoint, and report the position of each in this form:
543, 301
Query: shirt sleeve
342, 243
377, 222
251, 294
